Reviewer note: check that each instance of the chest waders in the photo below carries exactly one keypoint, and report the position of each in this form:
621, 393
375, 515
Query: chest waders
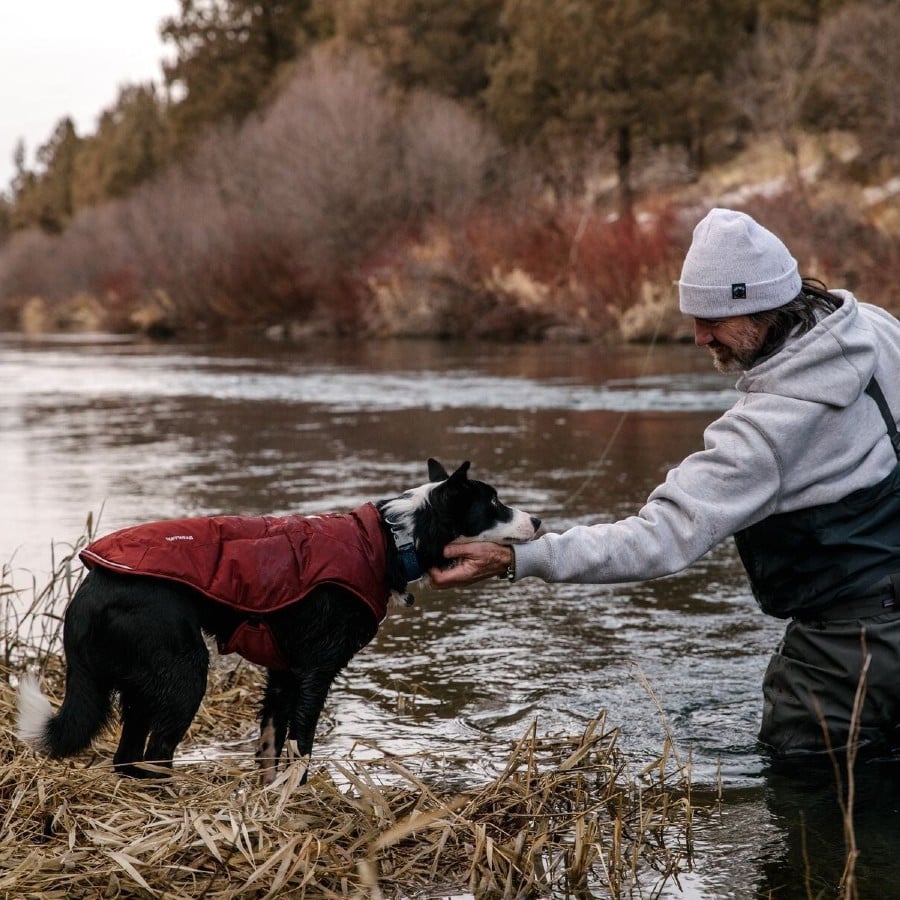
834, 569
804, 562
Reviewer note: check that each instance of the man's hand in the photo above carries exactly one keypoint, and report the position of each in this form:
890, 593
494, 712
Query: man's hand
473, 562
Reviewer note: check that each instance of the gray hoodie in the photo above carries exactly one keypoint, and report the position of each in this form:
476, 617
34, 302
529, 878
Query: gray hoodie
804, 433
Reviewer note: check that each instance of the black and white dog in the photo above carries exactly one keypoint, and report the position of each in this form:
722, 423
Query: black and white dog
299, 595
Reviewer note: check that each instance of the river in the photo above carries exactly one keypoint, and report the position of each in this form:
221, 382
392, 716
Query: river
131, 432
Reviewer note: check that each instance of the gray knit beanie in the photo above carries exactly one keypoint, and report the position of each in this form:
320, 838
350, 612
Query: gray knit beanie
735, 267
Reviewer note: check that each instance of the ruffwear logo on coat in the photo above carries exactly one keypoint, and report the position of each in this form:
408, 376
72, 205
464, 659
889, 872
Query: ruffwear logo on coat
180, 537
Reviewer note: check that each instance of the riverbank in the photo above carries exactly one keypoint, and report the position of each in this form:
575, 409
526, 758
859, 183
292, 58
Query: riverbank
532, 266
566, 814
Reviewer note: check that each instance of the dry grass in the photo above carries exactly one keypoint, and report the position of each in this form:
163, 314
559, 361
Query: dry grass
565, 817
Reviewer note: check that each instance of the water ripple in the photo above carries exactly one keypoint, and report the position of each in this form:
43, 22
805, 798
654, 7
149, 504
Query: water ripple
85, 379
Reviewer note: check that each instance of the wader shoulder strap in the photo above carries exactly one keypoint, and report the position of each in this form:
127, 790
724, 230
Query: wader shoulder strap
873, 389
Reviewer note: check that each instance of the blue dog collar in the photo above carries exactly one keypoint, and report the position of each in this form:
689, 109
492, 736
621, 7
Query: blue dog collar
410, 562
412, 571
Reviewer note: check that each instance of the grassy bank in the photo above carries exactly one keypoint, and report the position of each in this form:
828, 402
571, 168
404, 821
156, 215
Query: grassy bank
566, 814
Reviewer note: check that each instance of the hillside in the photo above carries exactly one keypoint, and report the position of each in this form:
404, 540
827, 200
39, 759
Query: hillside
422, 169
550, 269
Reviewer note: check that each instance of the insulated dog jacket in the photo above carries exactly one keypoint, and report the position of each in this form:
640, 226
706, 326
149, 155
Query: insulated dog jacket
256, 564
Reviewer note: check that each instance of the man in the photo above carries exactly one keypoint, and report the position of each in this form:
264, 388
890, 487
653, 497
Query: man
803, 470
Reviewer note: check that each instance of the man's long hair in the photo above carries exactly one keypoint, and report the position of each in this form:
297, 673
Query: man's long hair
795, 317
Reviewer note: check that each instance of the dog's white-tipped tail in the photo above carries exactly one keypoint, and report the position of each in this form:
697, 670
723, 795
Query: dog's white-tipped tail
35, 712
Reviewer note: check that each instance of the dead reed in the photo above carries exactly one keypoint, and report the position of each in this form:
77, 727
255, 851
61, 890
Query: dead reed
565, 817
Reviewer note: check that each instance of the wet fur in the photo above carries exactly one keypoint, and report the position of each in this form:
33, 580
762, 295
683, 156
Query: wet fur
142, 638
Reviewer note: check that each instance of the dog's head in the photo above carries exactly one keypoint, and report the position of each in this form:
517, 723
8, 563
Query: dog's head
473, 510
449, 508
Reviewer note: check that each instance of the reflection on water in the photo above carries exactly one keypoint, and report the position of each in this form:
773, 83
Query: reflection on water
574, 434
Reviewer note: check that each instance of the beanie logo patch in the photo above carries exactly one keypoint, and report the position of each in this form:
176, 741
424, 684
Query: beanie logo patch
739, 291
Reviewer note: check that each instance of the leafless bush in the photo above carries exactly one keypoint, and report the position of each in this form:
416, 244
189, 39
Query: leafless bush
835, 243
330, 164
770, 84
261, 220
448, 154
174, 224
26, 268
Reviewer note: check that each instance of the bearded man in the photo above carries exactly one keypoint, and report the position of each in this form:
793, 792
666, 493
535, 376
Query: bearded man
803, 471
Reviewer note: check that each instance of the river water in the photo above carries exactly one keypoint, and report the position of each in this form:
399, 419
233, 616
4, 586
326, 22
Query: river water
577, 434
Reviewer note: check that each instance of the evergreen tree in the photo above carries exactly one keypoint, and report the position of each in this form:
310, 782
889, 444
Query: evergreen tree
227, 54
132, 143
46, 198
6, 216
427, 43
637, 69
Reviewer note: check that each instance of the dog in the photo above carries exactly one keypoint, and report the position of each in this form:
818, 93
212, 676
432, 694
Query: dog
299, 595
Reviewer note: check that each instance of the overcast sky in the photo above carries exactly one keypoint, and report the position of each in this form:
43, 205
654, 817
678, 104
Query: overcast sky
69, 57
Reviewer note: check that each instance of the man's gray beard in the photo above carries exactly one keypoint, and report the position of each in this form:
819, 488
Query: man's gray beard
735, 362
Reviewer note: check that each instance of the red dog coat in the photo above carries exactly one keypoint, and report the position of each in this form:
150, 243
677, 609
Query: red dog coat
256, 564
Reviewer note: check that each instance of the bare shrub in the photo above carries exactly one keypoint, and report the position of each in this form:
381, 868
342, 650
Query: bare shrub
175, 224
330, 166
26, 268
593, 267
616, 258
447, 155
520, 235
97, 257
274, 219
342, 159
833, 242
770, 82
339, 165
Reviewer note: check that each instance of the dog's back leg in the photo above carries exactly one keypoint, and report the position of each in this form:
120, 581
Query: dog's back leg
155, 647
177, 694
133, 740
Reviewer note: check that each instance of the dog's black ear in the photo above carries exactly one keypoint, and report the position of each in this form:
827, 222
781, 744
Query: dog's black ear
436, 472
461, 474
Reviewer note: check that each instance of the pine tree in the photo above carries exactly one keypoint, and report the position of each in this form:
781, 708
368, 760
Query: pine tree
227, 54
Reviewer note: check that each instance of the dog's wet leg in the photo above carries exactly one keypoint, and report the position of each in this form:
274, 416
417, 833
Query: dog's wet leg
278, 701
135, 728
313, 687
178, 697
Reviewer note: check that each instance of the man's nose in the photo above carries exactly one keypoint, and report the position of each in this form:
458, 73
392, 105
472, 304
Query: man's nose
702, 333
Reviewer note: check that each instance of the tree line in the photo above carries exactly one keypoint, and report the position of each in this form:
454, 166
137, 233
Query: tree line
544, 74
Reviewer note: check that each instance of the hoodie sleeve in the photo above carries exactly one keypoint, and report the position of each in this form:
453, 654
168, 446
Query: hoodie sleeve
732, 483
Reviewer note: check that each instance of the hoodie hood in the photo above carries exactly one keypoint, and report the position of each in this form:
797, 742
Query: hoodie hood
844, 341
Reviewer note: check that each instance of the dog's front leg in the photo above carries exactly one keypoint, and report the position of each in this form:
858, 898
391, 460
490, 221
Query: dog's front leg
291, 709
278, 701
312, 690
